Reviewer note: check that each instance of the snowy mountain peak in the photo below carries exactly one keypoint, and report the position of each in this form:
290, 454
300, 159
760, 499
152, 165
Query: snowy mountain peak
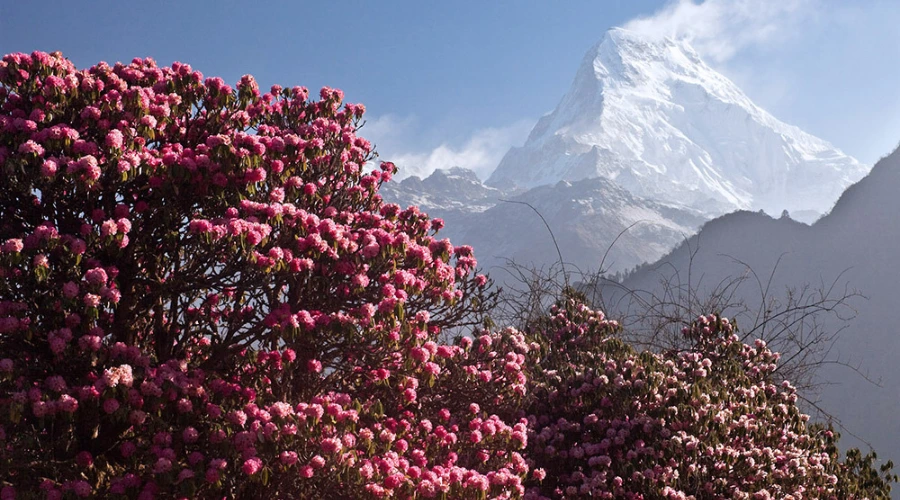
650, 115
621, 46
628, 58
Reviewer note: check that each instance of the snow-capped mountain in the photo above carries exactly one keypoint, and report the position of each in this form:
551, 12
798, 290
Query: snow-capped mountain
650, 115
647, 135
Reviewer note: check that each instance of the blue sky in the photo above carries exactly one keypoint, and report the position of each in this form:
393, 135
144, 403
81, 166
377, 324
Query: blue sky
459, 82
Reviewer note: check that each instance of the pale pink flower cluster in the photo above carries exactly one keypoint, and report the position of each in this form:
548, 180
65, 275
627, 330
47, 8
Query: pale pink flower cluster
613, 423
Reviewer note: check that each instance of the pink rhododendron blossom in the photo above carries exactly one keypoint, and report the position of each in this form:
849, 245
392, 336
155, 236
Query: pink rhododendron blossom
252, 466
49, 167
110, 405
12, 245
114, 139
91, 300
96, 276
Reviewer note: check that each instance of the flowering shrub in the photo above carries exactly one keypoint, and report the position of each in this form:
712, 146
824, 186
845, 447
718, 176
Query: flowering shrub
202, 294
609, 422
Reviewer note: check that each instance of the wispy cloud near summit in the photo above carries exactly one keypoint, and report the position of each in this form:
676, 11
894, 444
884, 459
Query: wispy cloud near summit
395, 138
718, 29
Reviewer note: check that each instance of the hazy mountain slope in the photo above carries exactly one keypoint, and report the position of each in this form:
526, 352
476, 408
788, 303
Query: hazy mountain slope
585, 218
861, 239
653, 117
455, 195
444, 190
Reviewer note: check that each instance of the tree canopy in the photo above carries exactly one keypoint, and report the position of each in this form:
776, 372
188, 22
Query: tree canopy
202, 295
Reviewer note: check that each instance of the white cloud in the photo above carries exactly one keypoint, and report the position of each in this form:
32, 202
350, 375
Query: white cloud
718, 29
388, 132
395, 139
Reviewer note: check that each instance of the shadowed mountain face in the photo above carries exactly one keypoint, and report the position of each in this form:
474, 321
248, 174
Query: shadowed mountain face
857, 244
650, 115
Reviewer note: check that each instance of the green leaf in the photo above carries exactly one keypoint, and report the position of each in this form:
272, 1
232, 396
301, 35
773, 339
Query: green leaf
378, 409
15, 413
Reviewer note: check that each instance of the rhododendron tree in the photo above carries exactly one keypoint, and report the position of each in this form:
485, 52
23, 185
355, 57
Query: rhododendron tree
705, 422
203, 295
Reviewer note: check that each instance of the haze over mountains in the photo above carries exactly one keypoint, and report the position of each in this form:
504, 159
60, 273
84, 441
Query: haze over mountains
647, 136
858, 245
